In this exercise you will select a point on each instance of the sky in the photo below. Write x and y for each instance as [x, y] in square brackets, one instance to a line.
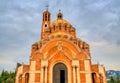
[96, 21]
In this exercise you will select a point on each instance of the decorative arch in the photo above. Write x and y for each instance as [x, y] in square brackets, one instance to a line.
[55, 41]
[67, 67]
[66, 43]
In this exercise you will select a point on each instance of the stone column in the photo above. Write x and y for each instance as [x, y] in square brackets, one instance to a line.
[42, 74]
[44, 65]
[45, 74]
[74, 76]
[78, 75]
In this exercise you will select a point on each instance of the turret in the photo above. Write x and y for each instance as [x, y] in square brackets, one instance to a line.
[59, 15]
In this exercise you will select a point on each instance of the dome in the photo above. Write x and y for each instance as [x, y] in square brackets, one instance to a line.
[60, 22]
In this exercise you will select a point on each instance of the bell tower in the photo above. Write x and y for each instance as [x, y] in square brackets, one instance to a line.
[45, 22]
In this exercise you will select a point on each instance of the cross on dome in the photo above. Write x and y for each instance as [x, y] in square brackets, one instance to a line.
[47, 6]
[59, 10]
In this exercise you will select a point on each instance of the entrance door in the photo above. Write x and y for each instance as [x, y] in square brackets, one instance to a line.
[60, 74]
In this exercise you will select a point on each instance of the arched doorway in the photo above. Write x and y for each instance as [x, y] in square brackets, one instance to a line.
[94, 77]
[26, 77]
[60, 73]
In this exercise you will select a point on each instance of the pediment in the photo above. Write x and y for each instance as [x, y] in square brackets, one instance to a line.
[60, 55]
[64, 50]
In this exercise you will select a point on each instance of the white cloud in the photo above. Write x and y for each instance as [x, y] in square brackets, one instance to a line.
[106, 53]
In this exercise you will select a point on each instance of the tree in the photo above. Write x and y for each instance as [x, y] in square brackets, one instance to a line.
[7, 77]
[117, 80]
[114, 80]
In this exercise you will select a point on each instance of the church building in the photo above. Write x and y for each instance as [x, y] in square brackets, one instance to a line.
[60, 56]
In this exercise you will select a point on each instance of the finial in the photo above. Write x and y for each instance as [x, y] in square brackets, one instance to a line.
[47, 7]
[59, 10]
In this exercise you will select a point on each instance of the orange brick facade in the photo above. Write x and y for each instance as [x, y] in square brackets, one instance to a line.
[59, 56]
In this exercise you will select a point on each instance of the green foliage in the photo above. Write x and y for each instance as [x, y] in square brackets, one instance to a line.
[114, 80]
[7, 77]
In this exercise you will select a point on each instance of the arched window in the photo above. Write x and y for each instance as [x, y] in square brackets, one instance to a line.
[54, 27]
[26, 77]
[94, 78]
[60, 26]
[45, 17]
[65, 26]
[20, 79]
[48, 17]
[79, 43]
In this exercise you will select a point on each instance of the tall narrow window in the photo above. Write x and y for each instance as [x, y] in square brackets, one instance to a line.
[48, 17]
[59, 26]
[54, 27]
[45, 17]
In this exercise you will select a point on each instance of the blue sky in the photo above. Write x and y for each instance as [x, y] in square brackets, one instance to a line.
[96, 21]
